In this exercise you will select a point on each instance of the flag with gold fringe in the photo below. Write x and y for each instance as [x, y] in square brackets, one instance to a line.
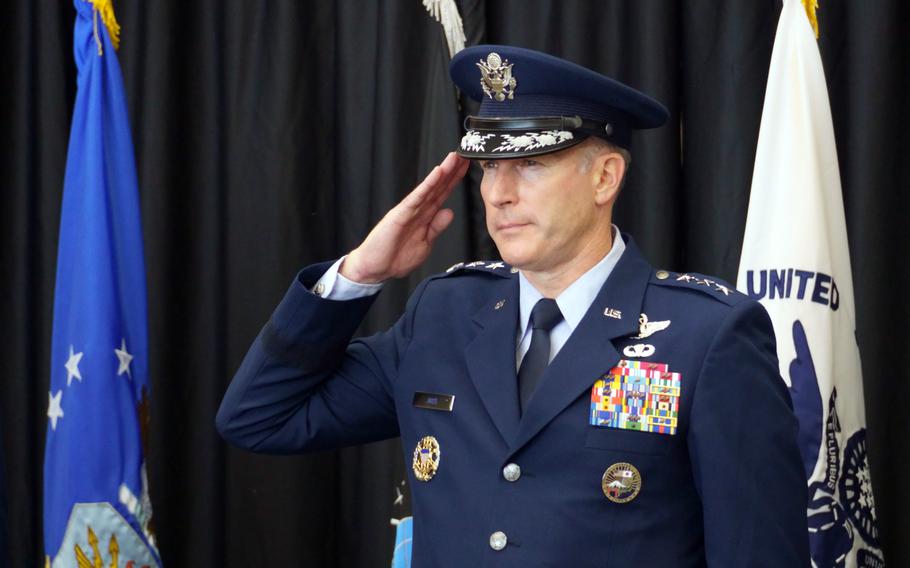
[97, 510]
[796, 261]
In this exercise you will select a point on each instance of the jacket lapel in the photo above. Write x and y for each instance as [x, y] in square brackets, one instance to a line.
[490, 357]
[589, 352]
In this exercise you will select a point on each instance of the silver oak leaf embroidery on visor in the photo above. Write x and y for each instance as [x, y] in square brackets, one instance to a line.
[533, 140]
[474, 142]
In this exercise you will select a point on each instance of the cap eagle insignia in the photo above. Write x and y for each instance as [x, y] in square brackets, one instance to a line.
[496, 78]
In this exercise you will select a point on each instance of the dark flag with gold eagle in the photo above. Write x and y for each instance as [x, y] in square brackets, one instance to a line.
[96, 500]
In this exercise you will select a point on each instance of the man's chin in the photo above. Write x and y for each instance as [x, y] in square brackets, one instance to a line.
[518, 252]
[517, 259]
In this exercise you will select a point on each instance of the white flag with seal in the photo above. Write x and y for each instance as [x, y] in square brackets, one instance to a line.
[795, 260]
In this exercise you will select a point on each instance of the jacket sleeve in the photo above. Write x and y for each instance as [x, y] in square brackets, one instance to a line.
[742, 444]
[304, 385]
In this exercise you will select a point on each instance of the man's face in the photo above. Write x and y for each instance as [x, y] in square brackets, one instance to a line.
[541, 211]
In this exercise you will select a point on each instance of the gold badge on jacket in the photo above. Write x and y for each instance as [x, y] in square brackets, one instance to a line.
[426, 458]
[621, 482]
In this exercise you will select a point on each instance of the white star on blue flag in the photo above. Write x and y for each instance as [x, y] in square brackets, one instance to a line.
[72, 367]
[54, 411]
[124, 358]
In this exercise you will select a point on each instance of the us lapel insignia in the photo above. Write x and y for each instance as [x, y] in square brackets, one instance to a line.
[426, 458]
[638, 350]
[499, 304]
[648, 328]
[637, 395]
[621, 482]
[613, 313]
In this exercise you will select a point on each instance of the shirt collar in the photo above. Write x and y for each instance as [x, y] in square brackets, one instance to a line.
[578, 297]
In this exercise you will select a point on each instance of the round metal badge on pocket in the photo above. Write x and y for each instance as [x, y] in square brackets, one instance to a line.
[621, 482]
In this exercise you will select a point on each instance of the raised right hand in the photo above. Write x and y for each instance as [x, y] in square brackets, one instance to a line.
[403, 239]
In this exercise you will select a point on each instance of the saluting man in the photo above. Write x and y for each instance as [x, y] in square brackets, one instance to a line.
[566, 406]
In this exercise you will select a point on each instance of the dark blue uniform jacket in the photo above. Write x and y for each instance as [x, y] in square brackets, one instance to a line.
[727, 489]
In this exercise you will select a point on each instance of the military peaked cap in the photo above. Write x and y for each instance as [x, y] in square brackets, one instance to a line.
[532, 103]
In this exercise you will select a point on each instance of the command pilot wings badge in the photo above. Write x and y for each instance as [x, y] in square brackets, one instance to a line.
[496, 77]
[648, 328]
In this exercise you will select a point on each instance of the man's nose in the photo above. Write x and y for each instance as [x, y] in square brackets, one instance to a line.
[501, 187]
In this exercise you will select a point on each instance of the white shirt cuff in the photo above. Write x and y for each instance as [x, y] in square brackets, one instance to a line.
[334, 286]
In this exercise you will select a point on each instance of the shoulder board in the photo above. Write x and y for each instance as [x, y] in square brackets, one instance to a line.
[497, 267]
[709, 285]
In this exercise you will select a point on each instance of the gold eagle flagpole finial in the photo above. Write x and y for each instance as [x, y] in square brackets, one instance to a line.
[811, 6]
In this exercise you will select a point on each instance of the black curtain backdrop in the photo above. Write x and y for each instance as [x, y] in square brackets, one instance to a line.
[273, 134]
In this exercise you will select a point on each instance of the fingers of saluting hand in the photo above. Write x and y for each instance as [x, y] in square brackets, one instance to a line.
[444, 187]
[440, 223]
[439, 181]
[451, 181]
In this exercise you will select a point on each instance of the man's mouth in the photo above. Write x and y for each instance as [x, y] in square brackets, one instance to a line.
[510, 226]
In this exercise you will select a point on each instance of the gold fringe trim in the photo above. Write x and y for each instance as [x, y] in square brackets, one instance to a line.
[105, 9]
[811, 6]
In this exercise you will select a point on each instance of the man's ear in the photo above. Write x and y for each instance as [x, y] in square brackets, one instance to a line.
[609, 168]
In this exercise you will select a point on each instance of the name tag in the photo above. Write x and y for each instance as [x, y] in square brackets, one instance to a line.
[434, 401]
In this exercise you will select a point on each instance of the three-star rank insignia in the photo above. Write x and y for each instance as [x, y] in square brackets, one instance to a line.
[706, 282]
[621, 482]
[426, 458]
[494, 267]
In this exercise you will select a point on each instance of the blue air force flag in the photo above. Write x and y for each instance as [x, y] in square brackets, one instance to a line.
[96, 504]
[796, 261]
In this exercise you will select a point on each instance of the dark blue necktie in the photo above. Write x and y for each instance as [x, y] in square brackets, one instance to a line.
[544, 318]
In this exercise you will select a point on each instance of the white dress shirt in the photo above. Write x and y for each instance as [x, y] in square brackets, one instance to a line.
[334, 286]
[573, 302]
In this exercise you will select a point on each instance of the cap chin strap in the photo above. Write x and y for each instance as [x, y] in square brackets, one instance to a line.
[571, 123]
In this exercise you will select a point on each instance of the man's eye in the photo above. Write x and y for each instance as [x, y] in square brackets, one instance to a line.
[488, 164]
[529, 163]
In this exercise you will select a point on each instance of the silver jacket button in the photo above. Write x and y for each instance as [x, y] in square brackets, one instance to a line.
[498, 540]
[511, 472]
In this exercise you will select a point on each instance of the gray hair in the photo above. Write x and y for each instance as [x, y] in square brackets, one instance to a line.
[595, 146]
